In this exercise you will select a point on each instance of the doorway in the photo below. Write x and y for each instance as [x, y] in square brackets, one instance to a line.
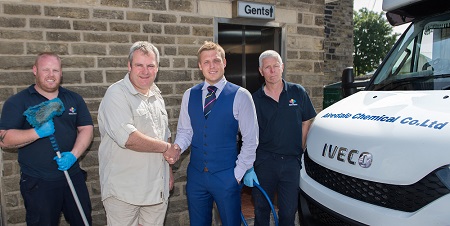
[243, 44]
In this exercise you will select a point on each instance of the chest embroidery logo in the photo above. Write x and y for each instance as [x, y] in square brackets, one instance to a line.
[72, 111]
[292, 102]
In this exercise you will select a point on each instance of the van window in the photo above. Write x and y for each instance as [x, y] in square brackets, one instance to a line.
[420, 60]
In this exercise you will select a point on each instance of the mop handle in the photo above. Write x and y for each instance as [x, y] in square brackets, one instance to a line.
[69, 181]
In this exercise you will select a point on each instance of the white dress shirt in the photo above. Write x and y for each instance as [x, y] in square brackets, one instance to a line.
[244, 112]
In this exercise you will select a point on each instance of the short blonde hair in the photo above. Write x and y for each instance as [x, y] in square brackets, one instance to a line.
[208, 45]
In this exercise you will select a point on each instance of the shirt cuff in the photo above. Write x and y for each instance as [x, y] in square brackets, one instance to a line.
[239, 173]
[124, 133]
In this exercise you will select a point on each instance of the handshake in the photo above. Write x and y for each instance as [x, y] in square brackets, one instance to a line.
[172, 154]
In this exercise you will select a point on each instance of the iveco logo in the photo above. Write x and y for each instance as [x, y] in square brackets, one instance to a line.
[365, 160]
[343, 154]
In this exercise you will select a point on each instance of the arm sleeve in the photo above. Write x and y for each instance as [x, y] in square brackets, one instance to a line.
[84, 117]
[245, 112]
[307, 107]
[184, 128]
[116, 116]
[12, 116]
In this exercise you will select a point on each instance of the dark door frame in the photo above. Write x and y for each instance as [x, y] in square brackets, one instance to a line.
[254, 22]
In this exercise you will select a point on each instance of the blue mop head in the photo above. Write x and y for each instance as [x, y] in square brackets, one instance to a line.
[43, 112]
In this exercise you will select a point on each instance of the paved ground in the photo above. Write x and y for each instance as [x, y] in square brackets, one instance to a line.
[251, 223]
[247, 210]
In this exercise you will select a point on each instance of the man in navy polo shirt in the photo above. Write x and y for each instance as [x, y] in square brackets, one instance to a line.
[285, 113]
[43, 185]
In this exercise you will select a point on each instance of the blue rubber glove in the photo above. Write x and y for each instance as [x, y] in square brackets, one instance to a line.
[66, 161]
[250, 177]
[46, 129]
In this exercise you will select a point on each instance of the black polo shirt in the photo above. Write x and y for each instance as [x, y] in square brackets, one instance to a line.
[280, 123]
[36, 159]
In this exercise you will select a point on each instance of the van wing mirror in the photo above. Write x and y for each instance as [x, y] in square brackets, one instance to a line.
[348, 78]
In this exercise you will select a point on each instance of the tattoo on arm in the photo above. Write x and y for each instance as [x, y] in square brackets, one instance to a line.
[2, 141]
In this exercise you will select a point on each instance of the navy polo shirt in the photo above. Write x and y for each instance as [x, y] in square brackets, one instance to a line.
[36, 159]
[280, 123]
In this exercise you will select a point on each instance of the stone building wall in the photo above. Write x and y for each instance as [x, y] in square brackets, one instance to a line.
[338, 44]
[93, 38]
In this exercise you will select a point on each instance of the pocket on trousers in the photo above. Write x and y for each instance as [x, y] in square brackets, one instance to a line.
[27, 183]
[29, 186]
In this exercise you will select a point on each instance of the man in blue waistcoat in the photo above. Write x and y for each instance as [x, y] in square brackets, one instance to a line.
[212, 113]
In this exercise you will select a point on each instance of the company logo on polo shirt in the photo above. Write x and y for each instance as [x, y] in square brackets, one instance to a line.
[72, 111]
[292, 102]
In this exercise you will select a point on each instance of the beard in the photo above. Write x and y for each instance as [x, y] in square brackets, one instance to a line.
[48, 87]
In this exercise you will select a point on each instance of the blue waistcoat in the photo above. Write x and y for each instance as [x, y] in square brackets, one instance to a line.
[214, 142]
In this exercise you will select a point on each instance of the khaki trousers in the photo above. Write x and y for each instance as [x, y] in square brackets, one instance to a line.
[119, 213]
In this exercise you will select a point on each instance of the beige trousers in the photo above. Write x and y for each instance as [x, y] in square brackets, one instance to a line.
[119, 213]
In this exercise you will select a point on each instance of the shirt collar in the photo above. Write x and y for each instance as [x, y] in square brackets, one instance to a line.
[219, 84]
[261, 93]
[32, 90]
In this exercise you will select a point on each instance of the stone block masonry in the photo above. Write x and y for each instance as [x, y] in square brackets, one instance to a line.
[338, 45]
[93, 38]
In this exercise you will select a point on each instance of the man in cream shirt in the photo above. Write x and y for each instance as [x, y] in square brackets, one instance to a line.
[135, 176]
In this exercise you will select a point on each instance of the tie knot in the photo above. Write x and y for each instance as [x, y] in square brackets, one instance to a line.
[212, 89]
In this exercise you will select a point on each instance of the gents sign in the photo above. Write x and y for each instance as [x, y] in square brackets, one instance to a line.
[253, 10]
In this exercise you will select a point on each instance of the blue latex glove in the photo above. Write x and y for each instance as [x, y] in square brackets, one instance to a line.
[66, 161]
[46, 129]
[250, 177]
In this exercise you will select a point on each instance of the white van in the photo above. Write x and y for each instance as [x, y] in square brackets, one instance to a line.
[381, 156]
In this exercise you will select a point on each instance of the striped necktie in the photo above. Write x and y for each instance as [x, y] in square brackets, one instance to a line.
[209, 100]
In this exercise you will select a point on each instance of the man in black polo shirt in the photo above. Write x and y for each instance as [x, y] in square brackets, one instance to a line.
[285, 113]
[43, 185]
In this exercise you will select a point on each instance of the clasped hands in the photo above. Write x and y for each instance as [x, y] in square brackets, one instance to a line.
[172, 154]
